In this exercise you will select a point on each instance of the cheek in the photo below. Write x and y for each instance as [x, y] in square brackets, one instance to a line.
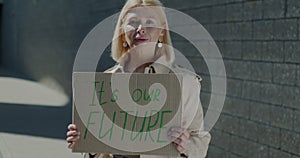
[128, 28]
[155, 34]
[128, 34]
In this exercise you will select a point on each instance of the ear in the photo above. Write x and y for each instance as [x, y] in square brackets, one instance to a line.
[162, 32]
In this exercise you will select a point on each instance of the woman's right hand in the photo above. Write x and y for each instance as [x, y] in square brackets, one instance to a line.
[72, 135]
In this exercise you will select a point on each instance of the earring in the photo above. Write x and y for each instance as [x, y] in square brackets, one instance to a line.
[125, 44]
[159, 44]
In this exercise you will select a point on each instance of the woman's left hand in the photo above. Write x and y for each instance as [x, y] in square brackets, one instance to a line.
[182, 138]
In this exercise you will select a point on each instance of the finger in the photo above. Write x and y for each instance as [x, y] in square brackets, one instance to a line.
[174, 134]
[180, 130]
[72, 138]
[177, 135]
[72, 127]
[71, 145]
[177, 129]
[73, 133]
[177, 141]
[182, 143]
[180, 149]
[186, 134]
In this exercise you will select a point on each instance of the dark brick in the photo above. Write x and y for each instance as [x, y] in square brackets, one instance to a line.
[244, 31]
[199, 63]
[235, 12]
[298, 29]
[272, 51]
[253, 10]
[290, 141]
[218, 31]
[207, 49]
[248, 129]
[205, 98]
[238, 31]
[237, 107]
[278, 154]
[218, 13]
[202, 15]
[233, 50]
[263, 30]
[285, 29]
[216, 152]
[228, 123]
[235, 156]
[229, 1]
[175, 20]
[293, 8]
[292, 52]
[177, 4]
[269, 136]
[297, 120]
[271, 93]
[251, 90]
[298, 75]
[183, 46]
[282, 117]
[221, 139]
[234, 87]
[260, 112]
[252, 50]
[235, 69]
[248, 149]
[98, 5]
[176, 38]
[291, 97]
[273, 8]
[229, 31]
[207, 3]
[206, 83]
[192, 35]
[284, 73]
[222, 47]
[232, 31]
[258, 71]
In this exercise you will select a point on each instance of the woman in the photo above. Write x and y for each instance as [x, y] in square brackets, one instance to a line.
[142, 44]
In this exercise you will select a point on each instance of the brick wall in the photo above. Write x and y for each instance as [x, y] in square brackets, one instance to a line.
[259, 41]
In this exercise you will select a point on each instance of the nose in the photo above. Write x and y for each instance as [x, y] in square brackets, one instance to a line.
[140, 29]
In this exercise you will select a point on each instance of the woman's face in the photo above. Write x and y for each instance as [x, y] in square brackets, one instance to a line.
[142, 25]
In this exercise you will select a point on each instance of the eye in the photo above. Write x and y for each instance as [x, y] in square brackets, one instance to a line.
[133, 23]
[149, 21]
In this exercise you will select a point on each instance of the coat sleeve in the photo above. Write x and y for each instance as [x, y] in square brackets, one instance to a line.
[192, 118]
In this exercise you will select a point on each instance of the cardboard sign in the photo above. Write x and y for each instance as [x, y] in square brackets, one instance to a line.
[126, 114]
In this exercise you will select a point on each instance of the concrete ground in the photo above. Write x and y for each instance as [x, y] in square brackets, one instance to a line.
[26, 146]
[33, 119]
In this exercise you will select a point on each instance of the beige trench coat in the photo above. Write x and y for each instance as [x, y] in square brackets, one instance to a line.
[191, 101]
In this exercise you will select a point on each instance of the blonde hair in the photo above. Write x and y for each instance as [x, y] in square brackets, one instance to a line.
[117, 48]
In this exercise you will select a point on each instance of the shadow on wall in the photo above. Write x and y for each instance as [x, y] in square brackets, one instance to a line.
[50, 122]
[30, 108]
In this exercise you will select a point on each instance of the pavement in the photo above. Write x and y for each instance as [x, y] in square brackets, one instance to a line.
[33, 119]
[26, 146]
